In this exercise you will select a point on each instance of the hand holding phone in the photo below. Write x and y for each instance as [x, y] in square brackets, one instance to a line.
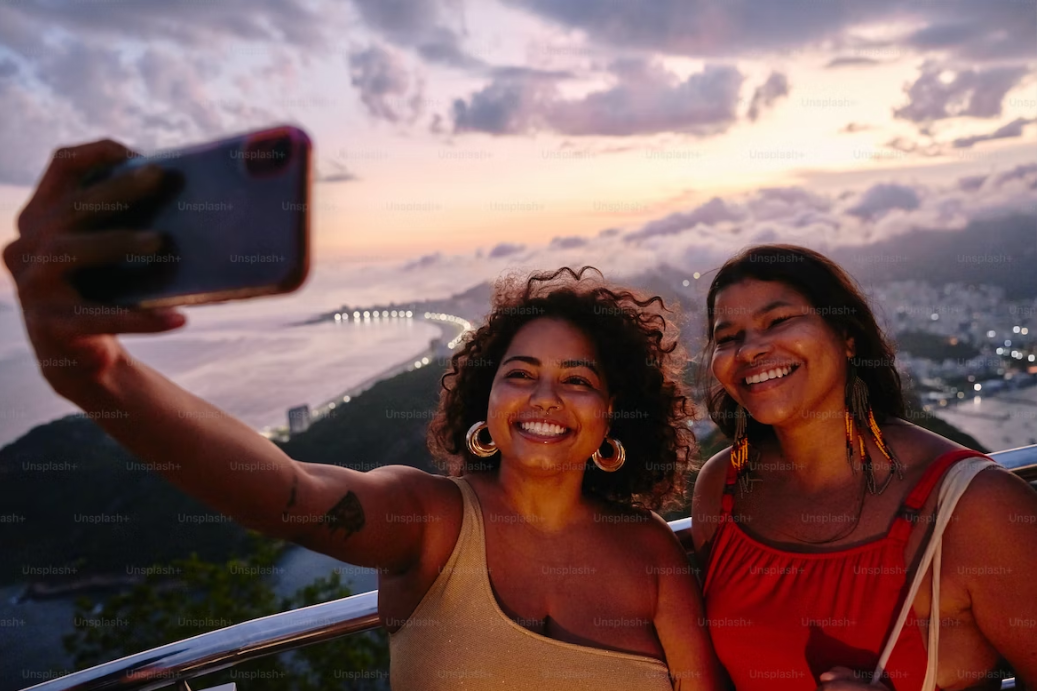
[234, 218]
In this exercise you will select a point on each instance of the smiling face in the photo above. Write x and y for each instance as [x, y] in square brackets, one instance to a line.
[775, 355]
[549, 405]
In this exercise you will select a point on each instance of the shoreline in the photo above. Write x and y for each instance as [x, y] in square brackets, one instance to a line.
[1002, 421]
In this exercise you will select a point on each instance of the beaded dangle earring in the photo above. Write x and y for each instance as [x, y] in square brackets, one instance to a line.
[740, 448]
[859, 414]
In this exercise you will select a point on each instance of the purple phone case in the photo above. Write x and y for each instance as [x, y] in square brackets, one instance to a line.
[237, 227]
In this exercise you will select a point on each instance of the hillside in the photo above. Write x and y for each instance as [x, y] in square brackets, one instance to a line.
[63, 475]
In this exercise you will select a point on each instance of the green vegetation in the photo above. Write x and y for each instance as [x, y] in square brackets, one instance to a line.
[206, 596]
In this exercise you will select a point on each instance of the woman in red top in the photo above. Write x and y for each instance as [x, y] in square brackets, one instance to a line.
[808, 544]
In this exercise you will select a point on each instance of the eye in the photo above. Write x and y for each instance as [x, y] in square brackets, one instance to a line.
[578, 380]
[726, 339]
[518, 374]
[779, 320]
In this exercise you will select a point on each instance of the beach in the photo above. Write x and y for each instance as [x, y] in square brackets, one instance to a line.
[1000, 422]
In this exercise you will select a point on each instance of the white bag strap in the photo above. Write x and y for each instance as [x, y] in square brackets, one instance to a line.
[954, 484]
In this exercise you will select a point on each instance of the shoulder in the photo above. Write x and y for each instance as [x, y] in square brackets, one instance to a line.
[995, 502]
[914, 445]
[432, 491]
[436, 497]
[706, 497]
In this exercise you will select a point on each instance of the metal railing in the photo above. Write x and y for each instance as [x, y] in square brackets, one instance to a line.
[177, 662]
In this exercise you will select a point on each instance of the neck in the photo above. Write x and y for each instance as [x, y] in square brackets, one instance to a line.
[548, 502]
[815, 446]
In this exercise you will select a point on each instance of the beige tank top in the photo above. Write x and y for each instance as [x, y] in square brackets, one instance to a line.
[459, 638]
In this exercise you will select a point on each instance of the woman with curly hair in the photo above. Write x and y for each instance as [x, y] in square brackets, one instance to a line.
[540, 566]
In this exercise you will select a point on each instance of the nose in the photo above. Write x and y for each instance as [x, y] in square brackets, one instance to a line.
[545, 396]
[754, 346]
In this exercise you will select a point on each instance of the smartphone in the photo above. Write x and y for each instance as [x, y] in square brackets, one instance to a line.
[234, 220]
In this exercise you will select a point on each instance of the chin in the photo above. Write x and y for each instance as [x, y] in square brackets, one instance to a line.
[773, 416]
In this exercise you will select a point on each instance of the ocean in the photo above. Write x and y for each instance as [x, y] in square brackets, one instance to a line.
[245, 359]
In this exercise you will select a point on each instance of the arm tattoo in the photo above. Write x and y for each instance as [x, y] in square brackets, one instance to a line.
[291, 498]
[347, 515]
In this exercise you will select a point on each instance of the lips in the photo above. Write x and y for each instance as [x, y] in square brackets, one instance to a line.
[542, 430]
[766, 378]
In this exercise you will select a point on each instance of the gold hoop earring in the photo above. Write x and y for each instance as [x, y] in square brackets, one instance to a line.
[613, 462]
[477, 447]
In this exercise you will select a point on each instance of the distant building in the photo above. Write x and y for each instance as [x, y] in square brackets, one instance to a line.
[298, 419]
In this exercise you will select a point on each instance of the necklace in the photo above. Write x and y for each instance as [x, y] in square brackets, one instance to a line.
[746, 482]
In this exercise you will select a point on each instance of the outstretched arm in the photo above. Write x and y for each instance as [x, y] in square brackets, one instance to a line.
[193, 444]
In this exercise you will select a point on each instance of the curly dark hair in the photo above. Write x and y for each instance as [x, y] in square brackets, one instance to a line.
[642, 361]
[841, 302]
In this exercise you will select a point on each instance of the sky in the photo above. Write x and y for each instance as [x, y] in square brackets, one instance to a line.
[456, 139]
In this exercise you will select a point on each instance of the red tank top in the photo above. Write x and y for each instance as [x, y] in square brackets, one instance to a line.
[780, 619]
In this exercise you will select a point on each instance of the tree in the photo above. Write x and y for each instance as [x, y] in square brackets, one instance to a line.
[205, 596]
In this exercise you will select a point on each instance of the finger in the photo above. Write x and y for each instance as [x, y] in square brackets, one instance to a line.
[111, 319]
[68, 251]
[64, 320]
[70, 164]
[115, 197]
[838, 673]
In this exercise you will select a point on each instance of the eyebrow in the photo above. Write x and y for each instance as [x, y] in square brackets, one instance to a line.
[763, 310]
[566, 364]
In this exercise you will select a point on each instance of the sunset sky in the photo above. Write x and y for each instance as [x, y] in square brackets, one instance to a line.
[466, 136]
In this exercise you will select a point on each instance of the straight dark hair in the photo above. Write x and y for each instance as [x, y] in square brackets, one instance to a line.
[839, 301]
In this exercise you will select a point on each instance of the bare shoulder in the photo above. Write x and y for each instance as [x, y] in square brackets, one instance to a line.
[706, 497]
[914, 445]
[996, 500]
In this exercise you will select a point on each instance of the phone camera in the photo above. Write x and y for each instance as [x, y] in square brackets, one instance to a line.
[269, 156]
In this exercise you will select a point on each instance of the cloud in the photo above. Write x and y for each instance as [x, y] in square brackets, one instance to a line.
[385, 85]
[337, 173]
[711, 213]
[505, 249]
[424, 262]
[648, 99]
[1020, 172]
[994, 31]
[569, 242]
[421, 25]
[753, 28]
[148, 77]
[644, 99]
[776, 86]
[851, 61]
[508, 105]
[940, 92]
[1012, 129]
[882, 198]
[971, 183]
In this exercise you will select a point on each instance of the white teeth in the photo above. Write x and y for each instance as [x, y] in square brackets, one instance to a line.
[770, 374]
[544, 429]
